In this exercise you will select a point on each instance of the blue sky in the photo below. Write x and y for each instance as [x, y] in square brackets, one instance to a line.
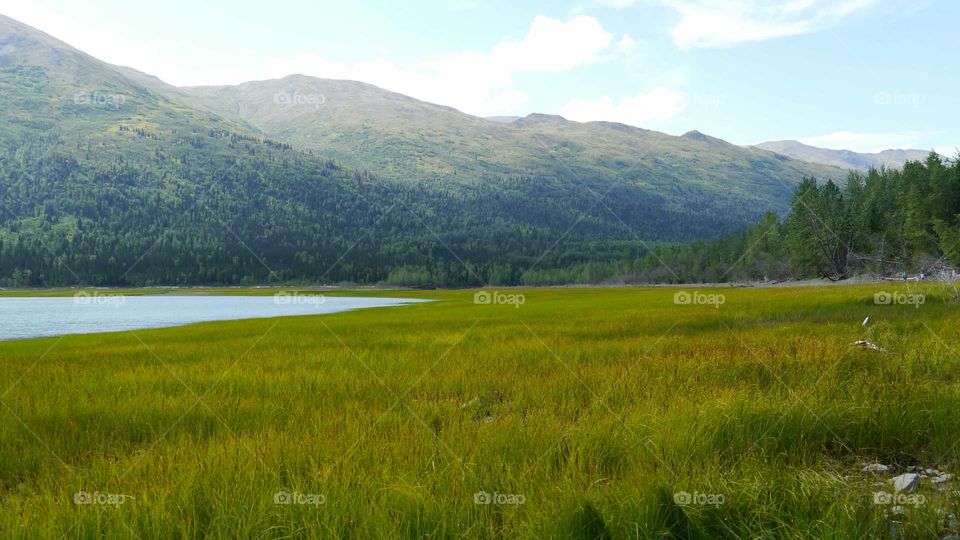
[857, 74]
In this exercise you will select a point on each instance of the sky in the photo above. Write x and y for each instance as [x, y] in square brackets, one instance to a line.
[863, 75]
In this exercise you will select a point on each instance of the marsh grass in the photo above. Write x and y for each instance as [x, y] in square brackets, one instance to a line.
[596, 406]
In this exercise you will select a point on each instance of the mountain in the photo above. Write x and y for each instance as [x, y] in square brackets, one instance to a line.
[709, 185]
[106, 180]
[844, 159]
[48, 85]
[109, 176]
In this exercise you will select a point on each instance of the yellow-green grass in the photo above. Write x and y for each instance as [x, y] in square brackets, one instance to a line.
[596, 406]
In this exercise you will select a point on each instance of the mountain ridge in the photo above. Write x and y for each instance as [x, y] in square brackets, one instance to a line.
[410, 140]
[890, 158]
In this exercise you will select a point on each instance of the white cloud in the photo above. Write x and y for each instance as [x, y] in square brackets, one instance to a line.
[871, 142]
[553, 45]
[626, 45]
[721, 23]
[642, 109]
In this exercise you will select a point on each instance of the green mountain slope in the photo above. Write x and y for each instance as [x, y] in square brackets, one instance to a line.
[110, 176]
[48, 85]
[413, 141]
[104, 179]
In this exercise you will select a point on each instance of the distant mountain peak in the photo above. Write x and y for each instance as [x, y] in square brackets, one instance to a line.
[695, 135]
[540, 119]
[847, 159]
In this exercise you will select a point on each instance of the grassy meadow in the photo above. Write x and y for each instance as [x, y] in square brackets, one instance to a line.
[578, 413]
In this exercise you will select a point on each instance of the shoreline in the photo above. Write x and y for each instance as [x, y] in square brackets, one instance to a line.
[190, 290]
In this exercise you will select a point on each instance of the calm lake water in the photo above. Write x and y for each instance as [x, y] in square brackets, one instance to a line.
[38, 317]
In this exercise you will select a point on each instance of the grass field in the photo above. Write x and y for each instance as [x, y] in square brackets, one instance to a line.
[580, 413]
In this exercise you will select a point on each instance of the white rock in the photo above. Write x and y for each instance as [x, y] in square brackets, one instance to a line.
[906, 482]
[943, 478]
[875, 467]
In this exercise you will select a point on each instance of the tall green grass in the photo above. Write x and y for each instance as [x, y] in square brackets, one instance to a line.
[594, 407]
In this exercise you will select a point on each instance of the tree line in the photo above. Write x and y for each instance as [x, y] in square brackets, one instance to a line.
[220, 209]
[883, 222]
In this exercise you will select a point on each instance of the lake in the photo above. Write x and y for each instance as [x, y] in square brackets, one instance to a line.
[88, 313]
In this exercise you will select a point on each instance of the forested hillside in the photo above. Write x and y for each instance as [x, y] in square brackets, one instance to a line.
[220, 208]
[883, 222]
[111, 177]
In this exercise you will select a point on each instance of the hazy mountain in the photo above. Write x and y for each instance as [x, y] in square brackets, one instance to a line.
[844, 158]
[111, 176]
